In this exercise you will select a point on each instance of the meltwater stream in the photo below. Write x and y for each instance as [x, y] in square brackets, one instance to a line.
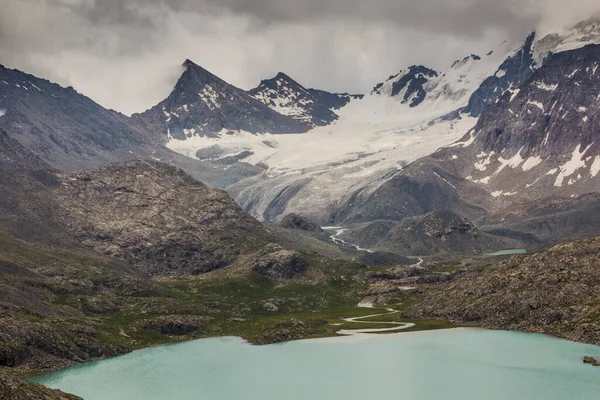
[458, 364]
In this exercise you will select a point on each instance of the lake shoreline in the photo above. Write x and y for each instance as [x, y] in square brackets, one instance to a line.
[358, 336]
[468, 348]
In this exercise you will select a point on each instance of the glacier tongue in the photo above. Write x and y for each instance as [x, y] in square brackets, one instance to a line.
[311, 173]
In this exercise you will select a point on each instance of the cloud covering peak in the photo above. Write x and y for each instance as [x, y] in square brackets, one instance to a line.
[125, 54]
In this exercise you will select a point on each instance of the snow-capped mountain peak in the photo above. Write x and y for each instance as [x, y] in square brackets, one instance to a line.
[285, 95]
[202, 104]
[288, 97]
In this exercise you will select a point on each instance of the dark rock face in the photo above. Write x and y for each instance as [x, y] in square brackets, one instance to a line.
[285, 95]
[550, 113]
[157, 217]
[333, 101]
[203, 104]
[412, 83]
[277, 263]
[440, 224]
[295, 221]
[512, 72]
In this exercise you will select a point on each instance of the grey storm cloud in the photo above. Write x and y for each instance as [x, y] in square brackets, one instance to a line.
[457, 16]
[125, 54]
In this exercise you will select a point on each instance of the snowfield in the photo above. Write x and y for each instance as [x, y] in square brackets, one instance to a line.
[329, 163]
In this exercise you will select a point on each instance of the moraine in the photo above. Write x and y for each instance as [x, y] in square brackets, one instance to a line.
[466, 364]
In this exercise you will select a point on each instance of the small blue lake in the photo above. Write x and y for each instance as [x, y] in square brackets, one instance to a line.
[506, 252]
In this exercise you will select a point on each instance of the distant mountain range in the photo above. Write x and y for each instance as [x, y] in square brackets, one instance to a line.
[526, 117]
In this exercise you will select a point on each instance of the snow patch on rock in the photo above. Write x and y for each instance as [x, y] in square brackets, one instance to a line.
[531, 163]
[576, 162]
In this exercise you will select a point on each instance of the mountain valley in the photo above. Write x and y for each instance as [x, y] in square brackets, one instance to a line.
[270, 213]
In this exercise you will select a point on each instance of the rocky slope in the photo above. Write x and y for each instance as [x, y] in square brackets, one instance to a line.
[146, 212]
[50, 300]
[440, 232]
[12, 388]
[156, 216]
[552, 292]
[63, 127]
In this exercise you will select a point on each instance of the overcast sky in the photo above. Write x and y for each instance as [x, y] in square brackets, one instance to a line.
[126, 54]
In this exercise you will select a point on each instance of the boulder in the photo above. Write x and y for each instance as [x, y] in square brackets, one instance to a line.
[280, 264]
[591, 360]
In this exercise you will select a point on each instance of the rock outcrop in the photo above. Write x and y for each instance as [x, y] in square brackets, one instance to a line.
[553, 292]
[593, 361]
[278, 263]
[295, 221]
[157, 217]
[286, 96]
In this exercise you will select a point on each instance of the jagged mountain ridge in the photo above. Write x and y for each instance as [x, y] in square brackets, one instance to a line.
[495, 80]
[286, 96]
[418, 101]
[454, 91]
[546, 130]
[202, 104]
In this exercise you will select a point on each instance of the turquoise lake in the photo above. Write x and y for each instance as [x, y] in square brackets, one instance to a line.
[465, 364]
[506, 252]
